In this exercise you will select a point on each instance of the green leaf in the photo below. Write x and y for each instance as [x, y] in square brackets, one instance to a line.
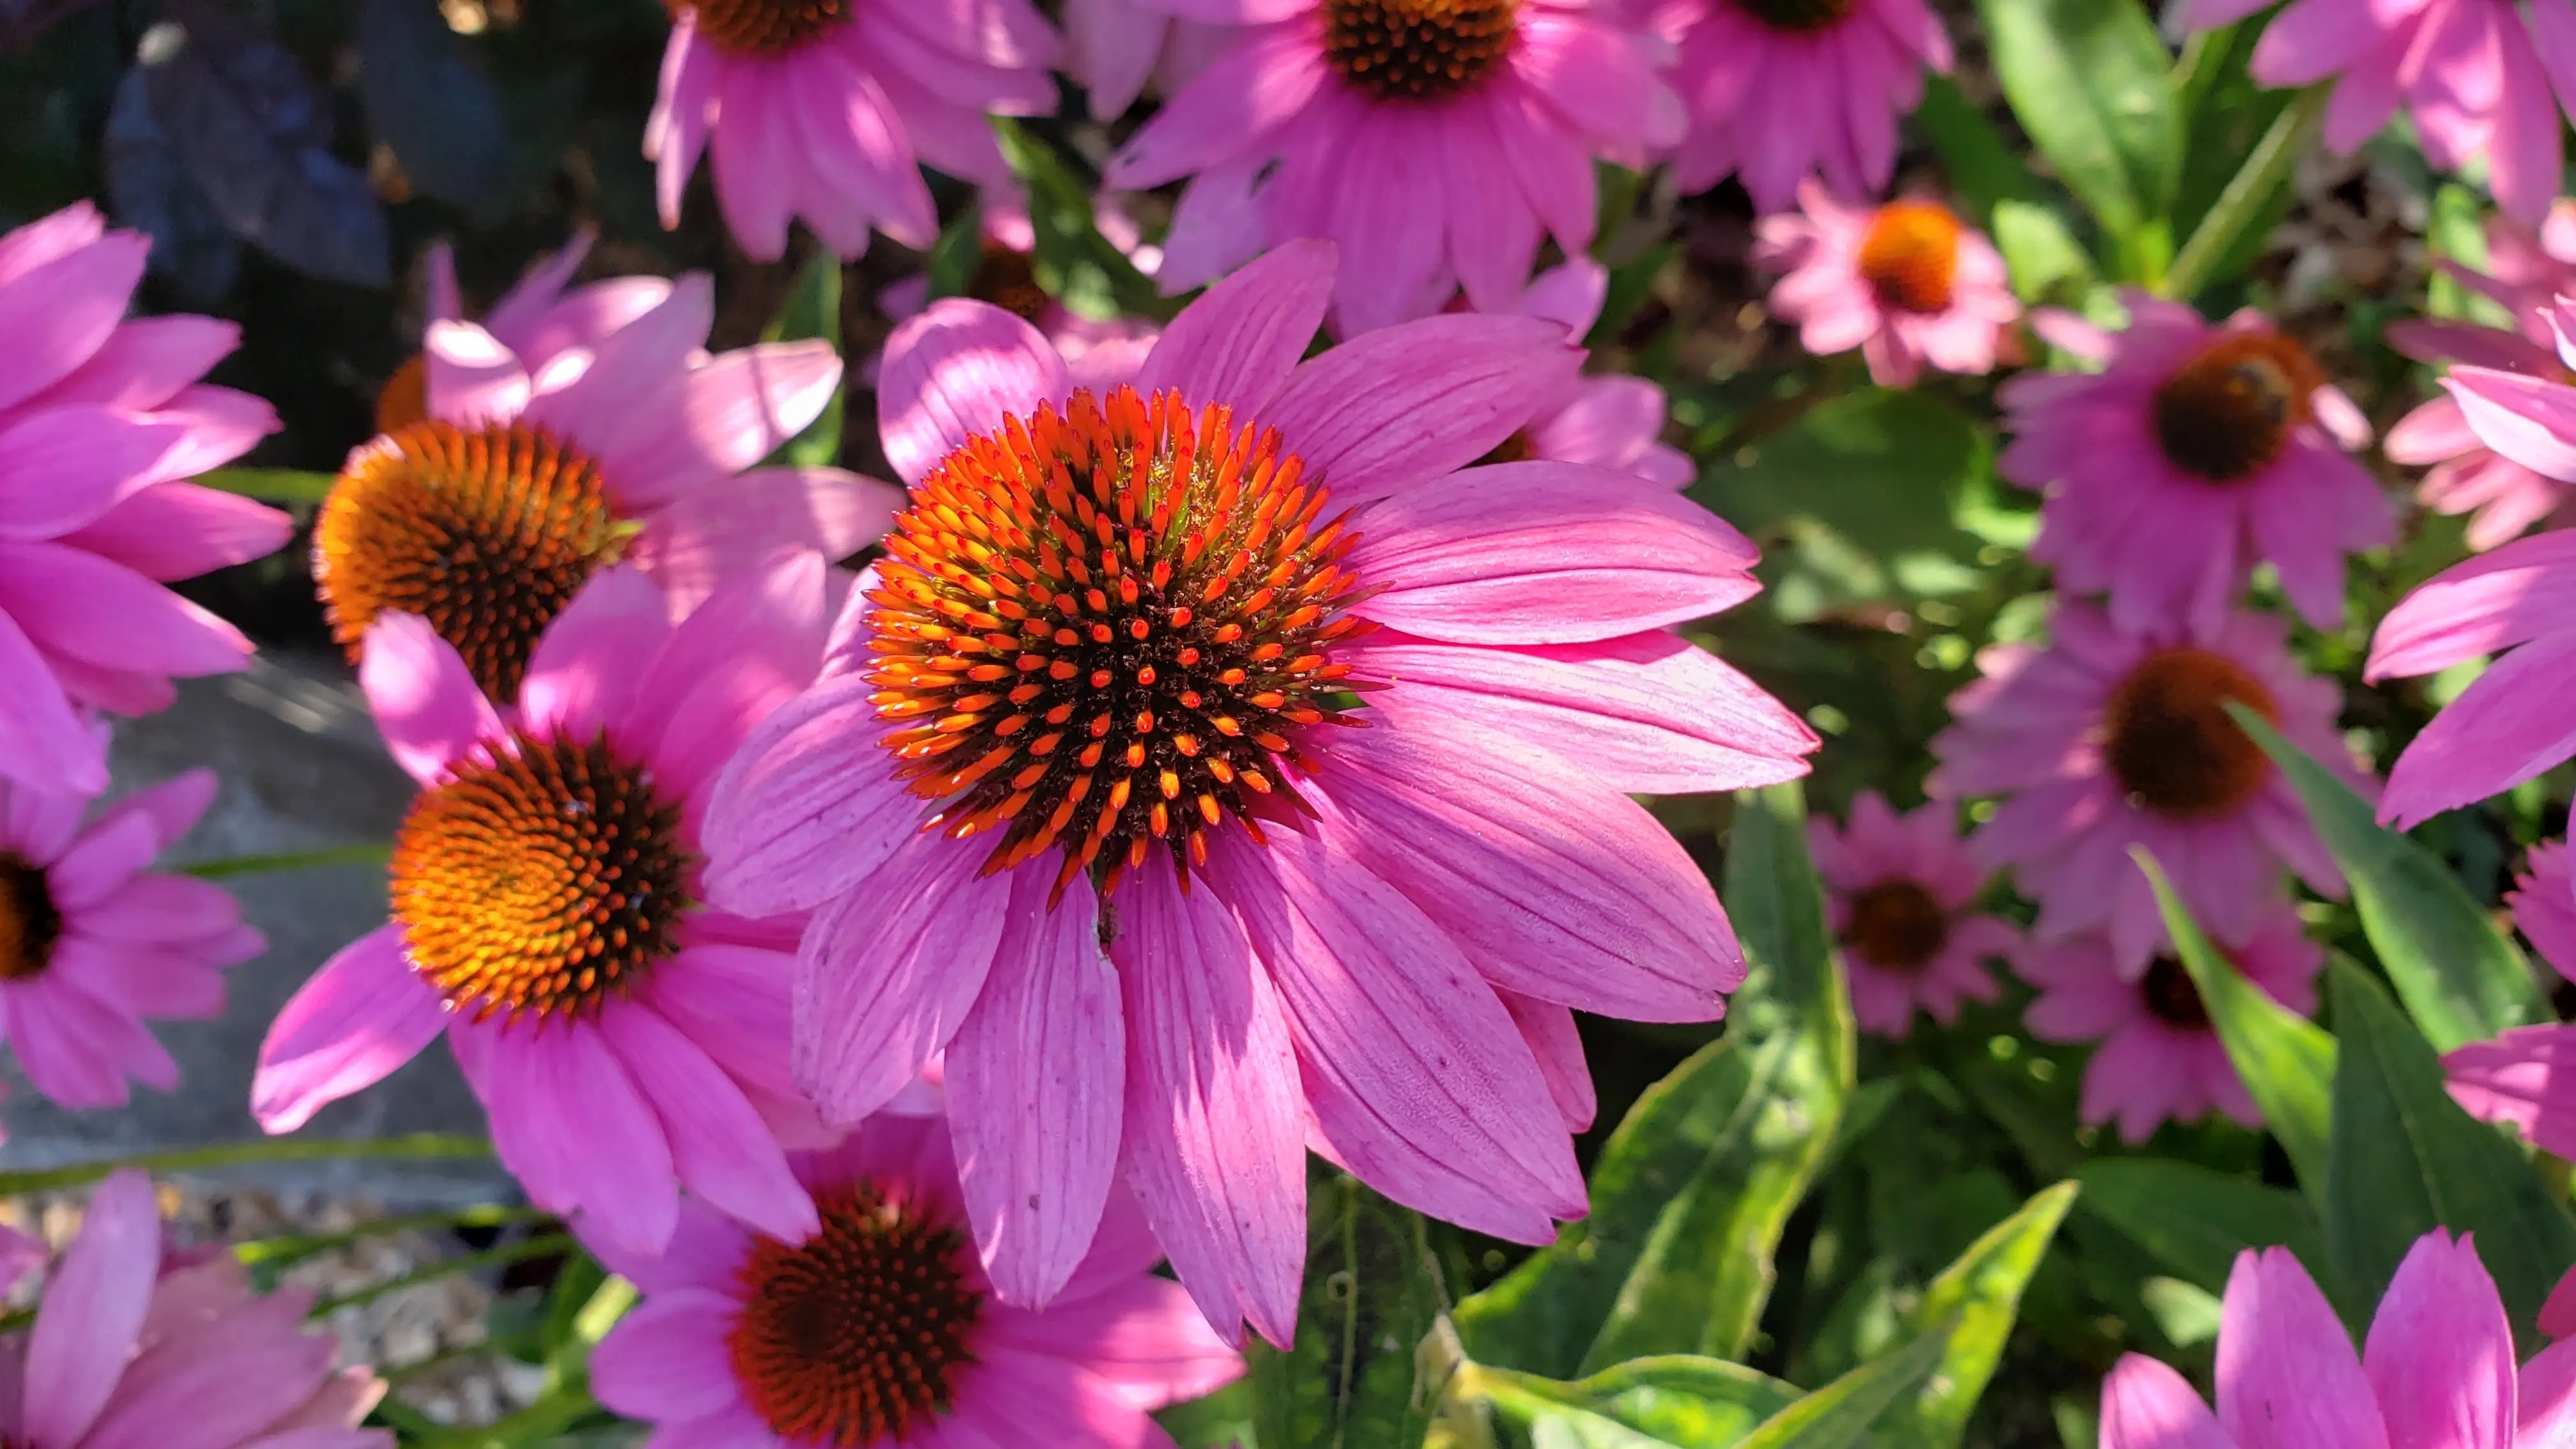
[1374, 1290]
[2407, 1159]
[2226, 116]
[2286, 1061]
[2193, 1220]
[1866, 491]
[270, 485]
[2090, 82]
[1703, 1403]
[1222, 1420]
[2460, 978]
[1983, 168]
[1628, 286]
[1841, 1413]
[1976, 1298]
[1692, 1190]
[957, 254]
[1074, 263]
[813, 312]
[2044, 257]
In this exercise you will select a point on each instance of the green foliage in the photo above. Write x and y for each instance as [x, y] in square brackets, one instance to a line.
[1074, 262]
[1375, 1286]
[2088, 80]
[1971, 1307]
[2406, 1160]
[2195, 1220]
[813, 311]
[2460, 978]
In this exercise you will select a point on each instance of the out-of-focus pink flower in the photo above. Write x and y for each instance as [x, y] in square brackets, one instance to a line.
[2106, 740]
[1098, 353]
[1906, 282]
[1137, 675]
[93, 944]
[2543, 901]
[1900, 892]
[132, 1345]
[2514, 721]
[2436, 1370]
[1780, 90]
[548, 914]
[2160, 1060]
[1605, 420]
[2194, 453]
[826, 112]
[878, 1327]
[1437, 143]
[1116, 49]
[527, 478]
[101, 420]
[2476, 76]
[2527, 1076]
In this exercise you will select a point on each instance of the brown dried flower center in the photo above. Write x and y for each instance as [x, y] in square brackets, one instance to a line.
[2168, 739]
[1418, 50]
[763, 27]
[2227, 414]
[1897, 925]
[29, 922]
[1910, 255]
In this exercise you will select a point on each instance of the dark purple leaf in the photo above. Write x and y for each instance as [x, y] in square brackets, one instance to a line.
[148, 189]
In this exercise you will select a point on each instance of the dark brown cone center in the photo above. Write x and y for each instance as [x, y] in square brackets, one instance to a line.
[1418, 50]
[29, 922]
[1897, 925]
[2168, 739]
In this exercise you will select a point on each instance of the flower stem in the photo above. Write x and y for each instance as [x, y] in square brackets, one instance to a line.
[246, 1154]
[538, 1423]
[2248, 192]
[278, 1252]
[373, 852]
[542, 1246]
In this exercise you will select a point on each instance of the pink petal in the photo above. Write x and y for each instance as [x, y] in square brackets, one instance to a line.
[581, 1136]
[808, 806]
[473, 379]
[42, 740]
[365, 1013]
[65, 467]
[708, 534]
[2527, 419]
[2146, 1405]
[1142, 1334]
[2545, 1395]
[1546, 553]
[57, 314]
[176, 531]
[82, 606]
[2517, 593]
[668, 1358]
[720, 1149]
[1241, 339]
[1413, 402]
[106, 856]
[2287, 1375]
[634, 370]
[1034, 1076]
[93, 1309]
[2508, 726]
[755, 642]
[425, 700]
[1557, 1042]
[1214, 1137]
[1251, 91]
[726, 415]
[586, 665]
[2440, 1351]
[956, 371]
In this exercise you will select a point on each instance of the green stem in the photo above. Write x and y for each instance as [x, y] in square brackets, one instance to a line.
[2248, 192]
[373, 852]
[280, 1251]
[538, 1422]
[275, 485]
[542, 1246]
[245, 1154]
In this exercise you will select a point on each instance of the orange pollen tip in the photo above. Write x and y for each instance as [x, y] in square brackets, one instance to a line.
[1909, 255]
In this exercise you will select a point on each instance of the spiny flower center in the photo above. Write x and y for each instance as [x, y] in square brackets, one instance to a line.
[540, 881]
[2171, 996]
[2169, 742]
[405, 397]
[29, 922]
[1008, 280]
[2227, 414]
[1796, 15]
[1418, 50]
[853, 1338]
[487, 533]
[1897, 925]
[763, 27]
[1109, 627]
[1910, 255]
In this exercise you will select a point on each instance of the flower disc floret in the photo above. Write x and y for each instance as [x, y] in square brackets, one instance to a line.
[2172, 997]
[1910, 256]
[1797, 15]
[2170, 743]
[1110, 627]
[1418, 49]
[29, 922]
[762, 27]
[1896, 924]
[2228, 413]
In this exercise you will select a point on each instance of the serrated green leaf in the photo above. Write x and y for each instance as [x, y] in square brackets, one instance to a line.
[2286, 1061]
[1074, 263]
[2090, 82]
[2194, 1220]
[1690, 1195]
[812, 312]
[1977, 1298]
[1373, 1292]
[2406, 1159]
[1842, 1413]
[2460, 978]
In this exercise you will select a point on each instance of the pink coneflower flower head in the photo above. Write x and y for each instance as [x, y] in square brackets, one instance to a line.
[2106, 740]
[1613, 421]
[535, 319]
[487, 518]
[1263, 755]
[1780, 90]
[1438, 139]
[878, 1328]
[826, 111]
[1905, 281]
[2194, 453]
[100, 420]
[1900, 891]
[2160, 1060]
[132, 1345]
[2476, 76]
[1116, 49]
[2436, 1370]
[548, 914]
[2509, 725]
[93, 943]
[1098, 353]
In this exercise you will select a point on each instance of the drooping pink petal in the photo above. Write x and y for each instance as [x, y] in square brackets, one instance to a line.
[668, 1358]
[1241, 339]
[2507, 727]
[2146, 1405]
[362, 1015]
[954, 371]
[720, 1148]
[1409, 403]
[93, 1308]
[808, 806]
[583, 670]
[425, 700]
[2440, 1350]
[2287, 1375]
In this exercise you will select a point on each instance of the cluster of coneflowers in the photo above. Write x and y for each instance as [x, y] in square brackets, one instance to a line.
[1229, 752]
